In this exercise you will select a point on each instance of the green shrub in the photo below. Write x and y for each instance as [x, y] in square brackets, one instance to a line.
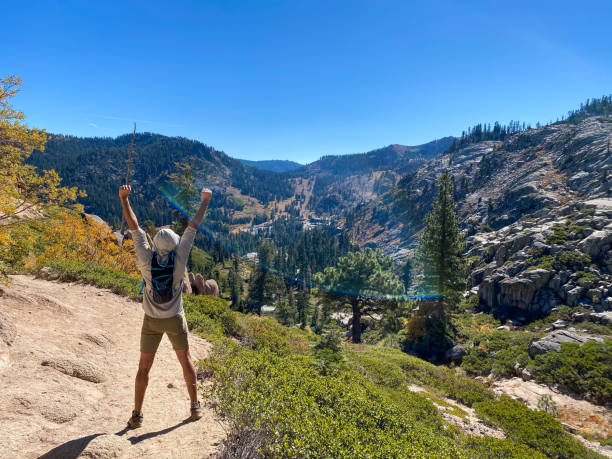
[606, 442]
[497, 352]
[468, 324]
[548, 405]
[577, 229]
[392, 368]
[281, 406]
[494, 448]
[209, 315]
[547, 262]
[574, 258]
[331, 338]
[579, 369]
[537, 429]
[587, 279]
[470, 303]
[94, 274]
[258, 333]
[559, 235]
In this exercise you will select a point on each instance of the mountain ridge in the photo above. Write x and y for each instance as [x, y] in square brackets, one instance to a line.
[273, 165]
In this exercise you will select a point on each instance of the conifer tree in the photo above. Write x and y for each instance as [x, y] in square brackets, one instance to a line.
[363, 282]
[235, 284]
[439, 255]
[264, 286]
[441, 246]
[285, 311]
[302, 308]
[314, 321]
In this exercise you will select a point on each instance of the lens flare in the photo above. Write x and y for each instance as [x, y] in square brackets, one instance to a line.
[296, 280]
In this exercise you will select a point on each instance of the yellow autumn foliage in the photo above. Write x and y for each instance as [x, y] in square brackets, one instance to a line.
[35, 228]
[77, 237]
[25, 193]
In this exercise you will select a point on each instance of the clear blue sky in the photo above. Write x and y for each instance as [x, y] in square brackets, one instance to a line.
[300, 79]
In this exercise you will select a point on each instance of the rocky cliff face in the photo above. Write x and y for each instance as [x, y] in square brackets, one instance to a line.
[558, 256]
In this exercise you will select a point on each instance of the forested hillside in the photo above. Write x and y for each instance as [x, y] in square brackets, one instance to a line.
[339, 183]
[98, 166]
[274, 165]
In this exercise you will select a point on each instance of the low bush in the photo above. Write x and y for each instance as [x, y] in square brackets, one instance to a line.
[579, 369]
[210, 315]
[574, 258]
[559, 235]
[522, 425]
[392, 368]
[537, 429]
[281, 406]
[586, 279]
[541, 262]
[100, 276]
[497, 352]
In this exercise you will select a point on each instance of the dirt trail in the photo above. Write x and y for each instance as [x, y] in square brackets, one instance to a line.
[94, 334]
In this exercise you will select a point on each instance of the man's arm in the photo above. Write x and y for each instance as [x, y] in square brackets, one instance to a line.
[206, 195]
[128, 213]
[184, 247]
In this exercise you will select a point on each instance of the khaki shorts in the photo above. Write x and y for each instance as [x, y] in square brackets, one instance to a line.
[153, 330]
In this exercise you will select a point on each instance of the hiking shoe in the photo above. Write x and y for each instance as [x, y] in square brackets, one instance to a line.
[136, 420]
[196, 411]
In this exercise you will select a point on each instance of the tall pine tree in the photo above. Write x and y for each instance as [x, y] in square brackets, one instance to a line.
[235, 284]
[264, 286]
[439, 255]
[302, 308]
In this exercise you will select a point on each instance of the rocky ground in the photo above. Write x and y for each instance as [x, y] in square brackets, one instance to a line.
[68, 357]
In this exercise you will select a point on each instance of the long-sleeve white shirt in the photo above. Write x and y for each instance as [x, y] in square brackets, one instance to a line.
[144, 254]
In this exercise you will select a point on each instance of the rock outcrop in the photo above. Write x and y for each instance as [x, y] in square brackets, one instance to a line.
[552, 342]
[77, 368]
[203, 287]
[8, 330]
[559, 256]
[208, 287]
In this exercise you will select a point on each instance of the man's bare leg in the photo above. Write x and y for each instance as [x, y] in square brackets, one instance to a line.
[189, 373]
[142, 379]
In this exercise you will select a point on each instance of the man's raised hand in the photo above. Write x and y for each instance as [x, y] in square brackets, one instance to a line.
[124, 191]
[206, 195]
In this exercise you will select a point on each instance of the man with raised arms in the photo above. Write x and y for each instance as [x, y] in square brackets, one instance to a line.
[162, 267]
